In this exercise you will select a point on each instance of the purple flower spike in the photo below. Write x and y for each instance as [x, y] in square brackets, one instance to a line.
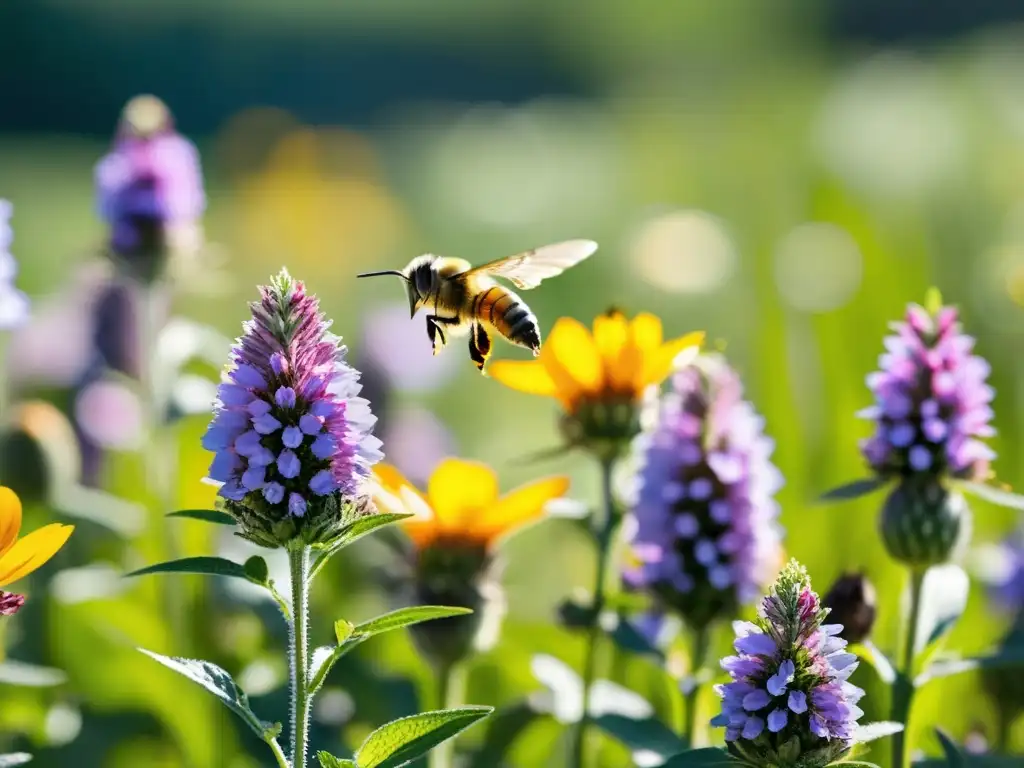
[260, 425]
[796, 696]
[14, 304]
[705, 497]
[932, 401]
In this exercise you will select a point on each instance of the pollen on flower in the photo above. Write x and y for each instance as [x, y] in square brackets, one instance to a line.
[789, 697]
[289, 430]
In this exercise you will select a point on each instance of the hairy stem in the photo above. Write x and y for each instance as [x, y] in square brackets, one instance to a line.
[279, 756]
[903, 688]
[695, 730]
[451, 690]
[605, 530]
[298, 649]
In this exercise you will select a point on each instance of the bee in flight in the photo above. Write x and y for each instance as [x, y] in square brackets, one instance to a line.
[468, 299]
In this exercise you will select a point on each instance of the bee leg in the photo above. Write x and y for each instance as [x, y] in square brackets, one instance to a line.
[433, 332]
[479, 346]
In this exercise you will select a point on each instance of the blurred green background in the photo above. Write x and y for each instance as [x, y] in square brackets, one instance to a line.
[785, 175]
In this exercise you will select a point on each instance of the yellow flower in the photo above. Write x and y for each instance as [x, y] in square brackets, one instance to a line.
[462, 505]
[599, 377]
[19, 557]
[615, 362]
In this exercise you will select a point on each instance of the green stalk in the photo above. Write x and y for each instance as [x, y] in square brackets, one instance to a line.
[298, 649]
[606, 527]
[451, 690]
[903, 689]
[696, 730]
[279, 756]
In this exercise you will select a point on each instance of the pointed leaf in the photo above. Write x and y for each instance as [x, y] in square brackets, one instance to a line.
[208, 566]
[328, 760]
[256, 570]
[206, 515]
[504, 728]
[343, 630]
[878, 730]
[953, 754]
[943, 600]
[859, 764]
[707, 757]
[1003, 658]
[219, 683]
[365, 526]
[992, 495]
[405, 617]
[878, 661]
[642, 734]
[401, 741]
[14, 758]
[854, 489]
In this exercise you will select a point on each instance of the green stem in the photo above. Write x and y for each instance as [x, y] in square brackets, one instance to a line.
[451, 689]
[279, 756]
[605, 529]
[695, 730]
[903, 689]
[298, 648]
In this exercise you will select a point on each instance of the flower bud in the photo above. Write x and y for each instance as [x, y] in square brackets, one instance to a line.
[852, 604]
[10, 603]
[924, 524]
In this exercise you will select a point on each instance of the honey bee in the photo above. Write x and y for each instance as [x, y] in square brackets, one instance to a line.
[468, 299]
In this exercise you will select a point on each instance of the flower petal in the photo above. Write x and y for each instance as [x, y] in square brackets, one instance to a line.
[658, 363]
[529, 376]
[519, 507]
[10, 518]
[611, 331]
[32, 551]
[422, 527]
[645, 331]
[572, 359]
[460, 491]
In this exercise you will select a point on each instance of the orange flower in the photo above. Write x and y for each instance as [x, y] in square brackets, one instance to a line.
[19, 557]
[614, 363]
[462, 504]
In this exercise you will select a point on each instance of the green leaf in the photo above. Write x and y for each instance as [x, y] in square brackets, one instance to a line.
[626, 636]
[878, 661]
[953, 754]
[30, 675]
[860, 764]
[206, 515]
[328, 760]
[647, 734]
[256, 570]
[707, 757]
[877, 730]
[943, 600]
[504, 728]
[343, 630]
[1003, 658]
[220, 684]
[401, 741]
[360, 528]
[405, 617]
[209, 566]
[854, 489]
[992, 495]
[14, 758]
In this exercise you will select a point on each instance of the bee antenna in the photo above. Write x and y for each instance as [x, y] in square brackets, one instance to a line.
[385, 272]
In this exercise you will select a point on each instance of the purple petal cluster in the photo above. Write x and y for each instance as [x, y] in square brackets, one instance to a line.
[789, 678]
[705, 536]
[14, 304]
[932, 401]
[150, 185]
[289, 428]
[10, 603]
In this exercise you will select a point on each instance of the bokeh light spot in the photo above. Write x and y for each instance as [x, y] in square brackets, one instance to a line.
[686, 251]
[818, 267]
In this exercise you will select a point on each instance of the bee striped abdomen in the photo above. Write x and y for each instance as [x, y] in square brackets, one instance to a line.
[509, 315]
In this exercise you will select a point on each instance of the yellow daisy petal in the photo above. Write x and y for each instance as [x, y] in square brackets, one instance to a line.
[10, 518]
[659, 364]
[610, 333]
[423, 526]
[390, 478]
[572, 359]
[459, 491]
[32, 551]
[646, 332]
[529, 376]
[519, 507]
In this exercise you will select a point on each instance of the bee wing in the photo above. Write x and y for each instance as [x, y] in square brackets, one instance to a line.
[526, 270]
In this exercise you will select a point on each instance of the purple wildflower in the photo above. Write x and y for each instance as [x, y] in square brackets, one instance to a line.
[705, 535]
[150, 186]
[14, 304]
[789, 688]
[271, 447]
[10, 603]
[932, 400]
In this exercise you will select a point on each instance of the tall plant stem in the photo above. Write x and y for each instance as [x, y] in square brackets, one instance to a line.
[903, 689]
[451, 690]
[695, 730]
[605, 526]
[298, 648]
